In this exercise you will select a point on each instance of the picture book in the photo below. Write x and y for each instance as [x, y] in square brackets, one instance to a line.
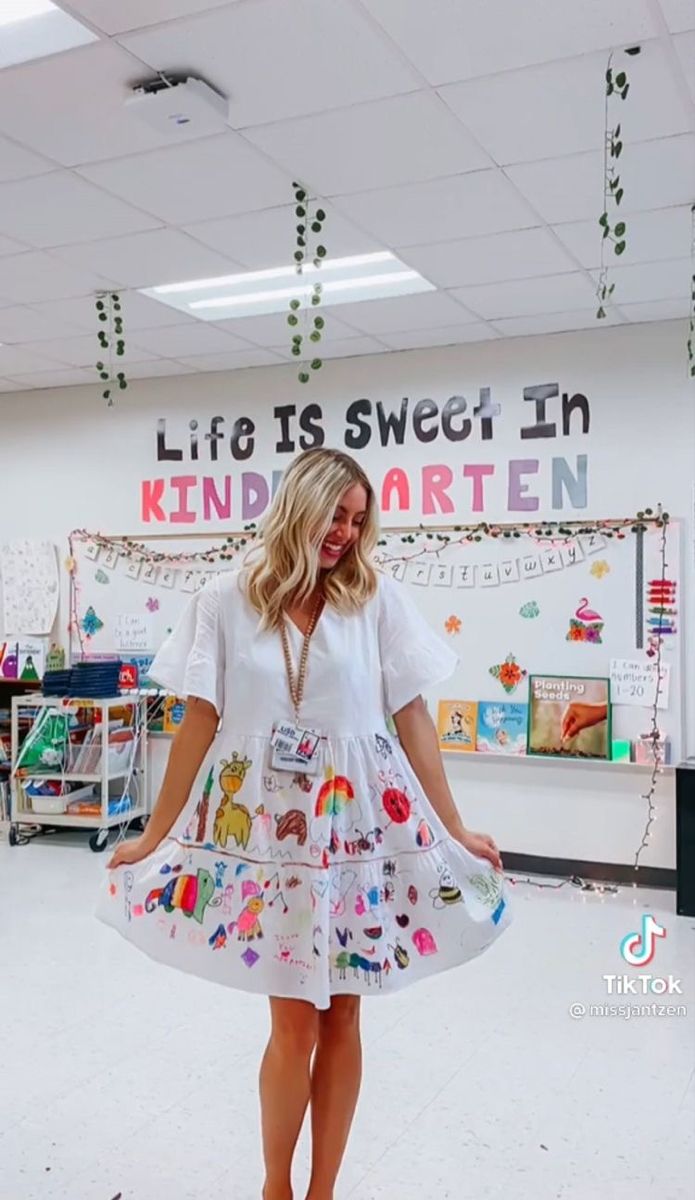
[501, 727]
[569, 716]
[456, 724]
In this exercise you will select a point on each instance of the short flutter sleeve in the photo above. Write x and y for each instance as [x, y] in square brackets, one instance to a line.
[191, 660]
[413, 657]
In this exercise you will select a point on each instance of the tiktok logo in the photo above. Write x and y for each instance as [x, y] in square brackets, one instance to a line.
[638, 949]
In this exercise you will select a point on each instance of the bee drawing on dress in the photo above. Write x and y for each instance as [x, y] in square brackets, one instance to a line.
[448, 892]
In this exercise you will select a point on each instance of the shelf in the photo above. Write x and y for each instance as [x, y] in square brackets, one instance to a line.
[70, 777]
[548, 759]
[91, 822]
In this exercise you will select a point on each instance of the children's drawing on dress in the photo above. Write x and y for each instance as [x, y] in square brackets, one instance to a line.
[424, 942]
[586, 625]
[189, 894]
[509, 673]
[448, 893]
[291, 824]
[233, 820]
[335, 794]
[30, 586]
[248, 925]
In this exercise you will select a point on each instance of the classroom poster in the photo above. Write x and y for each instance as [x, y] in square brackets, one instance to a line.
[569, 716]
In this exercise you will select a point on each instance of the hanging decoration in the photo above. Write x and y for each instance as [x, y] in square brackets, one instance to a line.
[657, 744]
[111, 343]
[617, 86]
[308, 256]
[691, 322]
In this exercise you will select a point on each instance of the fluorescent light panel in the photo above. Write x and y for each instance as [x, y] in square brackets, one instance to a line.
[36, 28]
[343, 281]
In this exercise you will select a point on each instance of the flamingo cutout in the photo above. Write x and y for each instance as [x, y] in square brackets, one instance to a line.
[584, 613]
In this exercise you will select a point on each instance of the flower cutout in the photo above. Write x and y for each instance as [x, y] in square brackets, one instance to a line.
[152, 604]
[509, 673]
[600, 568]
[91, 623]
[530, 610]
[453, 625]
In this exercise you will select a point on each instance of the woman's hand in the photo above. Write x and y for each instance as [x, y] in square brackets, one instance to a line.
[131, 851]
[481, 845]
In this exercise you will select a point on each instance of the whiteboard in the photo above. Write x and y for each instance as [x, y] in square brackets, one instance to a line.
[481, 597]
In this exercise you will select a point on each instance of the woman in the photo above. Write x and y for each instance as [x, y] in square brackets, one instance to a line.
[300, 850]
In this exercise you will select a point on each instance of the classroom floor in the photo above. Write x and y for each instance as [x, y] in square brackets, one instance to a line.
[121, 1076]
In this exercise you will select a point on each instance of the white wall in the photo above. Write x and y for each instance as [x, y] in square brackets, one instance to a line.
[69, 462]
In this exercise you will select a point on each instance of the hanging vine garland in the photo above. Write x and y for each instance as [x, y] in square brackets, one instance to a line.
[308, 252]
[112, 341]
[691, 322]
[617, 86]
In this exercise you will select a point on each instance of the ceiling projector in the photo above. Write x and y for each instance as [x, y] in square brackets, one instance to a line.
[185, 105]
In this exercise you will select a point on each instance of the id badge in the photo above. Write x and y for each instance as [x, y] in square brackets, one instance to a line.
[294, 748]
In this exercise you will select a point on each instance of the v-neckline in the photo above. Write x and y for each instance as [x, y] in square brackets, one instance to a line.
[302, 632]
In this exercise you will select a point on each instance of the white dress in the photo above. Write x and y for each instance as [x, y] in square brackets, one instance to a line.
[295, 885]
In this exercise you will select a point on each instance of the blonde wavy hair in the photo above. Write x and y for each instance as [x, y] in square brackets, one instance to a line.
[283, 567]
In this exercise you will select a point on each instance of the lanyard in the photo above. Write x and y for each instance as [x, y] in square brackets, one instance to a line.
[296, 683]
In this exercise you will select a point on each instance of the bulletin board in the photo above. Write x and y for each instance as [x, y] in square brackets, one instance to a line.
[578, 606]
[512, 606]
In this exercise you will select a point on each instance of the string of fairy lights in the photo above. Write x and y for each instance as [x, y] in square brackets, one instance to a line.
[441, 538]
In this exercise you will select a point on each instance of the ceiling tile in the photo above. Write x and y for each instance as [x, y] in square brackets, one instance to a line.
[449, 40]
[685, 48]
[560, 322]
[21, 360]
[452, 335]
[184, 340]
[429, 310]
[16, 162]
[234, 360]
[85, 352]
[22, 324]
[399, 140]
[679, 14]
[213, 177]
[651, 281]
[351, 347]
[348, 59]
[517, 255]
[90, 122]
[139, 312]
[478, 202]
[657, 310]
[8, 246]
[662, 233]
[148, 259]
[55, 209]
[266, 239]
[133, 14]
[558, 108]
[37, 276]
[161, 366]
[57, 378]
[272, 330]
[653, 174]
[526, 297]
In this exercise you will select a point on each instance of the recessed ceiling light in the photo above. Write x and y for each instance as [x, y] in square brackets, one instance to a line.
[257, 293]
[35, 28]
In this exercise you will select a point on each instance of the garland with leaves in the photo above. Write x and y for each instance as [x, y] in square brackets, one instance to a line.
[112, 341]
[308, 251]
[617, 86]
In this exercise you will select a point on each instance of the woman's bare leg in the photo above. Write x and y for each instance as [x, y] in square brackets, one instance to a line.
[285, 1089]
[335, 1086]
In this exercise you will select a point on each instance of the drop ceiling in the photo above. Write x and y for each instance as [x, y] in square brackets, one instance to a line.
[464, 136]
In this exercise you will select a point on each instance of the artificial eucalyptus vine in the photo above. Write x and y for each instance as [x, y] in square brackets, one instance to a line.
[308, 251]
[112, 340]
[691, 322]
[617, 86]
